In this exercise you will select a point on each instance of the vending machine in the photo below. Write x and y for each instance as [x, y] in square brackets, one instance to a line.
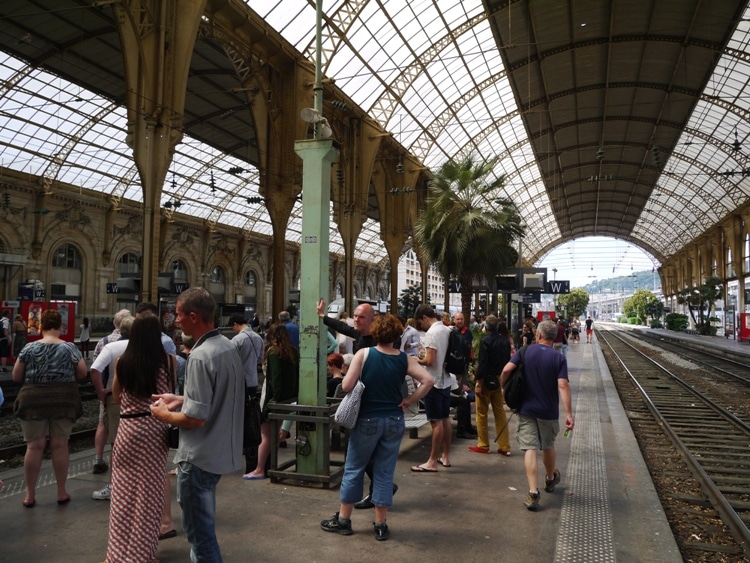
[32, 311]
[744, 333]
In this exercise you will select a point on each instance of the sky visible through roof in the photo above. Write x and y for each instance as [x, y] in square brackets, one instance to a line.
[589, 259]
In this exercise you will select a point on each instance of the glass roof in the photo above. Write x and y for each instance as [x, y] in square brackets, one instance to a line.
[701, 182]
[430, 73]
[52, 129]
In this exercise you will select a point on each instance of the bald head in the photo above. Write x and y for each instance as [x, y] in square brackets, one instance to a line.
[363, 317]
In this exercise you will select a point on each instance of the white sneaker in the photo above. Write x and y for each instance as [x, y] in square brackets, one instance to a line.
[103, 494]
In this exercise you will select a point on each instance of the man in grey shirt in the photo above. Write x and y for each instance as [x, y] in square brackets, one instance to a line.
[250, 346]
[210, 421]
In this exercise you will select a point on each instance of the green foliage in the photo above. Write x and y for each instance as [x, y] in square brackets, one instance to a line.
[410, 299]
[643, 305]
[701, 300]
[465, 230]
[633, 321]
[676, 321]
[656, 323]
[572, 304]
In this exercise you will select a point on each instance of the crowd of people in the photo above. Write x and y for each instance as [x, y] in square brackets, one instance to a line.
[216, 399]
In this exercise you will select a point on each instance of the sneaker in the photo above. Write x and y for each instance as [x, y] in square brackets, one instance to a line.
[532, 501]
[381, 531]
[366, 502]
[100, 467]
[103, 494]
[333, 525]
[479, 450]
[549, 484]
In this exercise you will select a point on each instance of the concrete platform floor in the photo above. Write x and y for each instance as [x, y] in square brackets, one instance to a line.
[605, 508]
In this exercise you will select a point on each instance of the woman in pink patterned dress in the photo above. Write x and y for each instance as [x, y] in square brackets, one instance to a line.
[139, 454]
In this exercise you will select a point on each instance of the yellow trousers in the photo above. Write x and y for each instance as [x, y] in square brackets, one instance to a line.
[494, 398]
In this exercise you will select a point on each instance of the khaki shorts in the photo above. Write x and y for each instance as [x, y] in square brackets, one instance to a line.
[109, 416]
[536, 433]
[52, 427]
[113, 417]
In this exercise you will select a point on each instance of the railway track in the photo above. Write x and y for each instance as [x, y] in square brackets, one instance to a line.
[738, 369]
[83, 438]
[712, 466]
[12, 446]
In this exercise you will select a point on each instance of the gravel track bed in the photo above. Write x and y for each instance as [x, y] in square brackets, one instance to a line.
[691, 517]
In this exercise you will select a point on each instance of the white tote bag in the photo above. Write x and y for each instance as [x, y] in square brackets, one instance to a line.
[348, 409]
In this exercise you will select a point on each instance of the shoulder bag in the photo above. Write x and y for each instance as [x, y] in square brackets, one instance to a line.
[347, 412]
[513, 390]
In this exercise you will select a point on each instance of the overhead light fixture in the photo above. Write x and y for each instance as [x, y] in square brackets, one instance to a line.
[600, 154]
[311, 115]
[325, 130]
[400, 165]
[736, 145]
[400, 191]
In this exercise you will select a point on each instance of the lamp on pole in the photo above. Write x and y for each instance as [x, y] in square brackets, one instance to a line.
[519, 285]
[317, 154]
[554, 276]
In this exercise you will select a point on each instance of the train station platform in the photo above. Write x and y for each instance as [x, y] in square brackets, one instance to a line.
[605, 508]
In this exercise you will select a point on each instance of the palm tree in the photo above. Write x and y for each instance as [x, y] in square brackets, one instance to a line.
[466, 230]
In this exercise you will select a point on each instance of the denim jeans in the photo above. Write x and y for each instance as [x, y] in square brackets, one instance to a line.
[196, 494]
[379, 439]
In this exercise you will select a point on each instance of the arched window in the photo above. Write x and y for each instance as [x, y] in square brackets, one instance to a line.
[217, 284]
[66, 274]
[339, 291]
[129, 264]
[218, 275]
[66, 256]
[179, 268]
[730, 266]
[250, 290]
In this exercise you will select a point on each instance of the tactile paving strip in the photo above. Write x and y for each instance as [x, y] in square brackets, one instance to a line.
[585, 532]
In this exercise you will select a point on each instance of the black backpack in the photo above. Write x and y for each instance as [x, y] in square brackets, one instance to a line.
[513, 390]
[455, 358]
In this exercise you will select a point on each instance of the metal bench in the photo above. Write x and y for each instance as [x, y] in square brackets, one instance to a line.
[414, 423]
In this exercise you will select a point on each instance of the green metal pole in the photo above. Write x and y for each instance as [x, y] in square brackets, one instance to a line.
[317, 157]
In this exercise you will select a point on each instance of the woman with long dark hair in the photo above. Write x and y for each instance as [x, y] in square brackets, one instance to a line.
[139, 455]
[282, 383]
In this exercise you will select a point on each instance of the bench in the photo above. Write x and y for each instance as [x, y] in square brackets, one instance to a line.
[414, 423]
